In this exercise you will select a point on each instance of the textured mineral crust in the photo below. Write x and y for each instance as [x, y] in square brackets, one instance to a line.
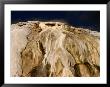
[54, 49]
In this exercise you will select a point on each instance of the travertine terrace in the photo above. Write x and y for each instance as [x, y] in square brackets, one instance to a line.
[54, 49]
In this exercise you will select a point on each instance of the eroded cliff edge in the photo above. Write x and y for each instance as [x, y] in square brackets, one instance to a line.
[53, 49]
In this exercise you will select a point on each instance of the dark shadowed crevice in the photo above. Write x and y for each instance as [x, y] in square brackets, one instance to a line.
[48, 66]
[41, 48]
[38, 71]
[97, 67]
[89, 68]
[77, 70]
[50, 24]
[33, 72]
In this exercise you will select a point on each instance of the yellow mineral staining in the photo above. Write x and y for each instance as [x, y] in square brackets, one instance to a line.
[54, 49]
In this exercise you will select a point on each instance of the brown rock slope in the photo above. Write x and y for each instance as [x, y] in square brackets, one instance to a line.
[53, 49]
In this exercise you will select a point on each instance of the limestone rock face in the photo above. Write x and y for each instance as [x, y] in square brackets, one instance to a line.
[54, 49]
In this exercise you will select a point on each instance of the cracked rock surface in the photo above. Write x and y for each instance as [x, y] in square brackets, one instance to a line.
[54, 49]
